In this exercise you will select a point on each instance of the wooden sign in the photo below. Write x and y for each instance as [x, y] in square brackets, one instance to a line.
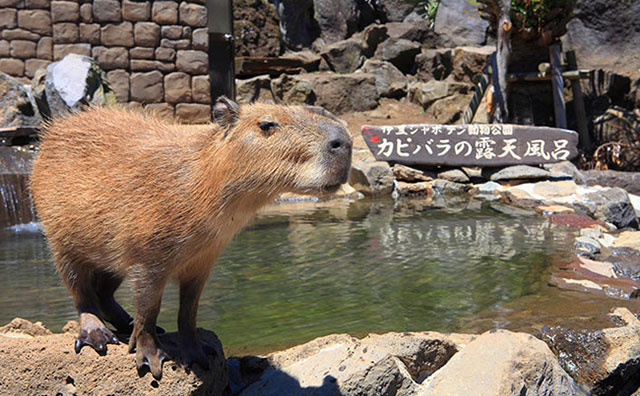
[470, 145]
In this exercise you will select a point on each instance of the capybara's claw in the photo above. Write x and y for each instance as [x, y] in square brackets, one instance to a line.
[96, 338]
[153, 361]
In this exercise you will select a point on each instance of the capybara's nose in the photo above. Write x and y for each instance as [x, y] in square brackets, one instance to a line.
[339, 141]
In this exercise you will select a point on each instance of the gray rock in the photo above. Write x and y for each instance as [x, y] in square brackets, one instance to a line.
[393, 10]
[489, 188]
[404, 189]
[502, 363]
[338, 93]
[344, 56]
[458, 23]
[390, 82]
[256, 89]
[388, 364]
[17, 104]
[372, 178]
[516, 172]
[336, 19]
[629, 181]
[408, 174]
[309, 60]
[454, 175]
[434, 64]
[611, 206]
[565, 170]
[400, 52]
[440, 186]
[71, 84]
[586, 246]
[426, 93]
[418, 31]
[371, 37]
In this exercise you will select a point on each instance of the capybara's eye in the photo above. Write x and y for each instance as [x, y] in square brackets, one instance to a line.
[268, 125]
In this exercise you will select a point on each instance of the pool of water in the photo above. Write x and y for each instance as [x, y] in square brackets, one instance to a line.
[300, 271]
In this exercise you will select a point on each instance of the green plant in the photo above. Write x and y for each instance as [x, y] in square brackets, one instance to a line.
[426, 8]
[537, 13]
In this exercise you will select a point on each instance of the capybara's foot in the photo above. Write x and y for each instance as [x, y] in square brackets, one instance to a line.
[148, 354]
[196, 353]
[94, 333]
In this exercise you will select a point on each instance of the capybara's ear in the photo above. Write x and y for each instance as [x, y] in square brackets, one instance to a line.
[225, 112]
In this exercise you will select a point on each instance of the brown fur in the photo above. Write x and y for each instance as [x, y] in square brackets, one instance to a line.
[121, 194]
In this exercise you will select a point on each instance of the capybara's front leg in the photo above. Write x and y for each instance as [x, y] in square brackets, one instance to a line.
[192, 350]
[148, 296]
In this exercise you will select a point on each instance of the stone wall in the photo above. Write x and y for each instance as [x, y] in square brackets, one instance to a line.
[155, 53]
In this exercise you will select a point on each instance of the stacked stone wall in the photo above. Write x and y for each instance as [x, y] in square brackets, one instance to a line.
[154, 53]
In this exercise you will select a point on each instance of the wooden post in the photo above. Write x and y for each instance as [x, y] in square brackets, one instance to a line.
[555, 53]
[481, 87]
[578, 104]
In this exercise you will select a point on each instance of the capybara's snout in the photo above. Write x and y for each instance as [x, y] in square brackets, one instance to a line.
[338, 152]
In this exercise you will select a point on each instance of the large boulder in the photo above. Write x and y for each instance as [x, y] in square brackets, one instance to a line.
[344, 56]
[629, 181]
[337, 19]
[390, 82]
[400, 52]
[338, 93]
[17, 104]
[434, 64]
[419, 31]
[605, 35]
[388, 364]
[468, 62]
[426, 93]
[502, 363]
[71, 84]
[256, 89]
[393, 10]
[611, 206]
[458, 23]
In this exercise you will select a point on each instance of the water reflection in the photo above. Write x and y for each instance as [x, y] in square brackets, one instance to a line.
[298, 273]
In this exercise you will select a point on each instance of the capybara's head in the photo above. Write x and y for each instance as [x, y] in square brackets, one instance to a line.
[294, 148]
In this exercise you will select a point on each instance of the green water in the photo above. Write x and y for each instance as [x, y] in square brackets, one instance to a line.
[302, 271]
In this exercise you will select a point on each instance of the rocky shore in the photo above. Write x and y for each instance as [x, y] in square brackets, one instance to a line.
[499, 362]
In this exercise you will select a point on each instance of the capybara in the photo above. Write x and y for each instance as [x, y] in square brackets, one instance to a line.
[121, 193]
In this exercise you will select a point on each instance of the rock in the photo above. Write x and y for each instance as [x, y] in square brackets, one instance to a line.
[256, 89]
[468, 62]
[17, 105]
[310, 61]
[400, 52]
[454, 175]
[371, 37]
[71, 84]
[604, 36]
[446, 187]
[408, 174]
[255, 28]
[393, 10]
[586, 246]
[547, 210]
[47, 363]
[575, 221]
[626, 263]
[489, 188]
[629, 181]
[448, 110]
[404, 189]
[611, 206]
[390, 82]
[502, 363]
[372, 178]
[298, 27]
[555, 189]
[426, 93]
[327, 90]
[605, 362]
[418, 31]
[336, 19]
[629, 239]
[391, 363]
[344, 56]
[458, 23]
[565, 170]
[19, 326]
[516, 172]
[434, 64]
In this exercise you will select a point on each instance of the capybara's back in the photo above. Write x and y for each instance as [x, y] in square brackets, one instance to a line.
[120, 193]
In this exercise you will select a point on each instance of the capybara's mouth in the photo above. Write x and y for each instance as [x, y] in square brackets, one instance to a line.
[329, 189]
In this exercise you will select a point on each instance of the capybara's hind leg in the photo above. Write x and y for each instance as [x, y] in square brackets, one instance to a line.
[79, 278]
[148, 296]
[106, 284]
[192, 350]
